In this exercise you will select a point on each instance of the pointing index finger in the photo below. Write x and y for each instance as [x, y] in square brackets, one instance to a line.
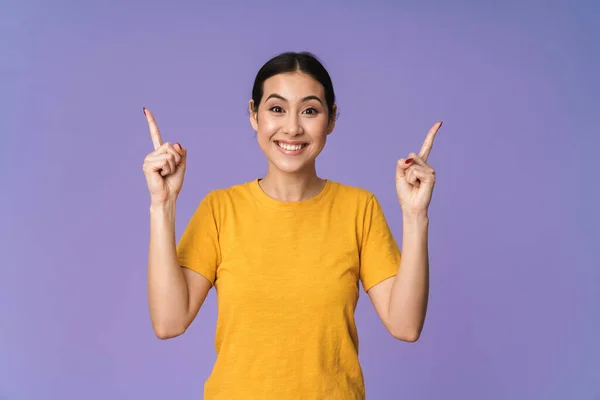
[428, 143]
[154, 132]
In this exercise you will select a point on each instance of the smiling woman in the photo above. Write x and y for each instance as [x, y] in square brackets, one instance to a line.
[286, 252]
[293, 111]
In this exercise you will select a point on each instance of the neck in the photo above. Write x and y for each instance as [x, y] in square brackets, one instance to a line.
[299, 186]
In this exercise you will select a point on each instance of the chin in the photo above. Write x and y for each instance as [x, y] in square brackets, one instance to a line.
[291, 167]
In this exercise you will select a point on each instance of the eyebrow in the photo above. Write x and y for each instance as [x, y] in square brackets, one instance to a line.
[278, 96]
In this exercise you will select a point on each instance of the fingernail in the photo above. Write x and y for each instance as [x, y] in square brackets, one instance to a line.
[409, 161]
[144, 110]
[177, 143]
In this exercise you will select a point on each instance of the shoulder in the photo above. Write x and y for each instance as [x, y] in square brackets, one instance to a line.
[354, 199]
[352, 193]
[218, 202]
[228, 191]
[227, 195]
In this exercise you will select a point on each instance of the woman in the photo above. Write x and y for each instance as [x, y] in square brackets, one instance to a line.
[286, 252]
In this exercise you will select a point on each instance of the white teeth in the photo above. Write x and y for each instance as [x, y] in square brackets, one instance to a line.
[290, 147]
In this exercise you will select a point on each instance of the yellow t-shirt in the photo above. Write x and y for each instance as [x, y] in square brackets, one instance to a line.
[287, 279]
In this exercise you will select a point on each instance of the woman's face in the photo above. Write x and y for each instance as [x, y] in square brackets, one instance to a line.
[292, 122]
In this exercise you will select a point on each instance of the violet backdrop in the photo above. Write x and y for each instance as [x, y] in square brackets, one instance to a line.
[513, 312]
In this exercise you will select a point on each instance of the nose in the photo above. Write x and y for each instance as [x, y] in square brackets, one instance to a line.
[292, 125]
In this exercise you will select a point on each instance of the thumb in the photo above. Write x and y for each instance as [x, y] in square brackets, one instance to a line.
[182, 152]
[402, 166]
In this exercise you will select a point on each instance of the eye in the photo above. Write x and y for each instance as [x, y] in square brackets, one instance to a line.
[311, 111]
[276, 109]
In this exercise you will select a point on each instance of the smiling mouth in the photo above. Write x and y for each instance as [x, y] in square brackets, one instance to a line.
[291, 147]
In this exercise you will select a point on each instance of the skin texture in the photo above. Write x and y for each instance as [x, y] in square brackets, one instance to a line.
[293, 110]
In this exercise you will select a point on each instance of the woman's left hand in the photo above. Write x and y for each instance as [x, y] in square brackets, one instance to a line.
[415, 178]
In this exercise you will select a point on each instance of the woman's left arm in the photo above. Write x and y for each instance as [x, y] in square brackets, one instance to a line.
[401, 301]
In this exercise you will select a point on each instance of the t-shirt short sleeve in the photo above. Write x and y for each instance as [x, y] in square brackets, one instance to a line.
[379, 253]
[199, 248]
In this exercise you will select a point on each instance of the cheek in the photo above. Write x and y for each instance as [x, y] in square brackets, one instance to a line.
[318, 129]
[267, 125]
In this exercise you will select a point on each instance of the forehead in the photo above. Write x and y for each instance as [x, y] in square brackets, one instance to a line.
[293, 86]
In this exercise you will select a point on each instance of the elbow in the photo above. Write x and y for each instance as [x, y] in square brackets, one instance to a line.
[406, 330]
[406, 335]
[165, 332]
[409, 338]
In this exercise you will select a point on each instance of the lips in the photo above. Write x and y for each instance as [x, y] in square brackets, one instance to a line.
[291, 146]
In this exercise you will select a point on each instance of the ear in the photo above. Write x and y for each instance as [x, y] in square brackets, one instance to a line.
[253, 115]
[332, 119]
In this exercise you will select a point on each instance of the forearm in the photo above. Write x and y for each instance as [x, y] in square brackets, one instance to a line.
[167, 288]
[410, 291]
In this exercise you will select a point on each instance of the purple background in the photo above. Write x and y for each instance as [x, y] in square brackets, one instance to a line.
[514, 288]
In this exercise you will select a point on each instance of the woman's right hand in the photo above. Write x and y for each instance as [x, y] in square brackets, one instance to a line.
[164, 168]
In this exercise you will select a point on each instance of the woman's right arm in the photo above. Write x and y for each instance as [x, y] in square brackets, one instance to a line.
[175, 294]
